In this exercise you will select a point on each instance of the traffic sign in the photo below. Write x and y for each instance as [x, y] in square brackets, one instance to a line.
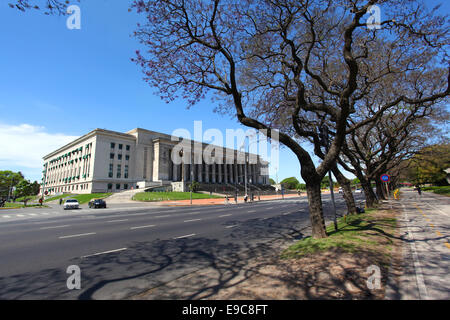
[385, 177]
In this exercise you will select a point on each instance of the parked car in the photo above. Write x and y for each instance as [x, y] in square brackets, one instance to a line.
[358, 191]
[341, 190]
[97, 203]
[71, 204]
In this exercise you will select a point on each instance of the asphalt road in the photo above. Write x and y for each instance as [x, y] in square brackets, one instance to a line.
[125, 250]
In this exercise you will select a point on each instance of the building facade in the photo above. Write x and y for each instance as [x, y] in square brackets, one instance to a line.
[109, 161]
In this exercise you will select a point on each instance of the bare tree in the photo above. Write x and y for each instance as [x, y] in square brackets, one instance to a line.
[48, 6]
[278, 64]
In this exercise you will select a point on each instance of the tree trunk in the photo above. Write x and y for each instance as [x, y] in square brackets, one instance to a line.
[371, 198]
[316, 211]
[345, 184]
[380, 189]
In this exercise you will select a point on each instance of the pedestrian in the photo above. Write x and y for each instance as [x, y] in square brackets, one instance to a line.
[245, 198]
[60, 201]
[419, 190]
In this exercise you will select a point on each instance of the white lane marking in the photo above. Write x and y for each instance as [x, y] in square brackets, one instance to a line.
[140, 227]
[162, 216]
[6, 216]
[32, 214]
[110, 221]
[185, 236]
[192, 220]
[269, 208]
[54, 227]
[231, 226]
[104, 252]
[225, 215]
[77, 235]
[251, 211]
[194, 212]
[419, 275]
[286, 213]
[20, 215]
[45, 213]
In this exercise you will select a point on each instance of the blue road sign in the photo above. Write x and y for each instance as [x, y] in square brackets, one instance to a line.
[385, 178]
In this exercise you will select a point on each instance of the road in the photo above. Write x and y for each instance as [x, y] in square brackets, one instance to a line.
[125, 250]
[426, 234]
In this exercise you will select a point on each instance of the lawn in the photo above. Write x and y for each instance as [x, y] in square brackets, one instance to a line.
[164, 196]
[445, 190]
[82, 198]
[369, 230]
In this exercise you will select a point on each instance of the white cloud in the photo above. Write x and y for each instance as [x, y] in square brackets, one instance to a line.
[23, 146]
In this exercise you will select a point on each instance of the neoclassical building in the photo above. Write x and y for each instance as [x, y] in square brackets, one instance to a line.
[109, 161]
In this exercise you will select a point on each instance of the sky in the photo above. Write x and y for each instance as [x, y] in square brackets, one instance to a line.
[57, 84]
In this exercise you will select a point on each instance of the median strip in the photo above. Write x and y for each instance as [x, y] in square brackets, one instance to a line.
[77, 235]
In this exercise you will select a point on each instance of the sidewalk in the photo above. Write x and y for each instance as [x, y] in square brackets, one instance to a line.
[424, 225]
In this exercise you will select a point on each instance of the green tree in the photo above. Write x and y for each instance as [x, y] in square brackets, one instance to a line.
[429, 164]
[25, 189]
[8, 180]
[290, 183]
[325, 184]
[271, 181]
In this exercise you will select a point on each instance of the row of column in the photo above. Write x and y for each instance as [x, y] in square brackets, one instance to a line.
[217, 173]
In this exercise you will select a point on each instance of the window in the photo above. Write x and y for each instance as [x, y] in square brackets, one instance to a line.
[111, 155]
[128, 147]
[125, 174]
[119, 169]
[120, 146]
[110, 173]
[109, 186]
[119, 156]
[113, 145]
[125, 186]
[127, 157]
[118, 186]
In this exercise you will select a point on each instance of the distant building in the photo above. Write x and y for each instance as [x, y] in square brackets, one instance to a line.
[109, 161]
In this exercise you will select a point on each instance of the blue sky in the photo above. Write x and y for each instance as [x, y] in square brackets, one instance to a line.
[57, 84]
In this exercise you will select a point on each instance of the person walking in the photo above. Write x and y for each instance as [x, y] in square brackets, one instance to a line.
[419, 190]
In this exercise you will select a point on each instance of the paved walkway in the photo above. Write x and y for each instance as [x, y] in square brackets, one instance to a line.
[425, 231]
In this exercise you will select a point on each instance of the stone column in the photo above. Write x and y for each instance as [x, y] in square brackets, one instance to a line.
[220, 173]
[207, 172]
[175, 172]
[213, 175]
[225, 172]
[199, 172]
[185, 172]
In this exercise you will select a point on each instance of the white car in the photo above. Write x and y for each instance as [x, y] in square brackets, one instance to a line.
[71, 204]
[358, 191]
